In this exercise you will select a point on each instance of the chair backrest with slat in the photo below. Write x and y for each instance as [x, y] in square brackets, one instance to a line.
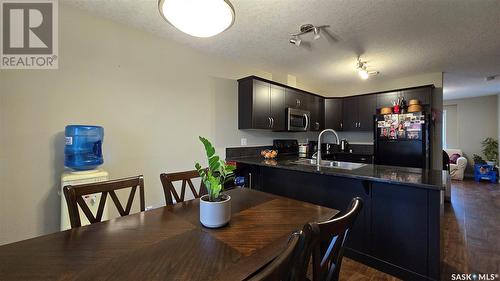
[329, 239]
[167, 180]
[291, 264]
[74, 198]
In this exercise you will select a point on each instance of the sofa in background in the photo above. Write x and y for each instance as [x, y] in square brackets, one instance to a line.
[457, 170]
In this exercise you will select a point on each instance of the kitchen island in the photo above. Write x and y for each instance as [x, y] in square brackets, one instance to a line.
[398, 230]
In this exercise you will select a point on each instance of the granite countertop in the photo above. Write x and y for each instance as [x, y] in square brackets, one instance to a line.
[422, 178]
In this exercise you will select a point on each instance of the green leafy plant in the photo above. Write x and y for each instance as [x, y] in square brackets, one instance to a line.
[490, 149]
[478, 159]
[217, 174]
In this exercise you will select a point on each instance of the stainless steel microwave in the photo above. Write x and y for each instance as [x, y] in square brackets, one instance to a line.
[297, 120]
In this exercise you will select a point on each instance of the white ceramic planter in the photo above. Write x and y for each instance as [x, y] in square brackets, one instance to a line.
[215, 214]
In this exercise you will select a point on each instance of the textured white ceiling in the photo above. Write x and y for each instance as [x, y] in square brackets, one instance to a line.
[398, 38]
[459, 86]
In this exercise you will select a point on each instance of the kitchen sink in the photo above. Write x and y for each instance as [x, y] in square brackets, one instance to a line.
[330, 164]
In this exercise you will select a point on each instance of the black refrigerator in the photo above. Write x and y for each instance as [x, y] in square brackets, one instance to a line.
[402, 140]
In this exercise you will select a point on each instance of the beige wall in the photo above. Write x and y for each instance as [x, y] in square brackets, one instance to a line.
[153, 97]
[437, 133]
[451, 126]
[476, 119]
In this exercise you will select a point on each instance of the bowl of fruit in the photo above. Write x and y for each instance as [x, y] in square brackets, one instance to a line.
[269, 153]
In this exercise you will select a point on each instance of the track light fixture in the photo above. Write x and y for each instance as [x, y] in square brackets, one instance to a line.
[362, 70]
[295, 40]
[304, 29]
[317, 34]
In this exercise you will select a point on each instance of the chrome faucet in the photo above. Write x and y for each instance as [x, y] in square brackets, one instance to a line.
[318, 157]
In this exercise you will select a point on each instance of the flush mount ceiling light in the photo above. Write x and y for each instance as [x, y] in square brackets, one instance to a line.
[199, 18]
[362, 70]
[304, 29]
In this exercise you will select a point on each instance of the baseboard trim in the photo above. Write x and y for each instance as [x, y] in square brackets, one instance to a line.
[386, 267]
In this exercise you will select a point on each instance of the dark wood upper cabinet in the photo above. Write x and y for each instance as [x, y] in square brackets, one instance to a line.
[254, 104]
[358, 113]
[350, 114]
[333, 114]
[262, 104]
[278, 109]
[387, 99]
[296, 99]
[367, 107]
[317, 109]
[423, 94]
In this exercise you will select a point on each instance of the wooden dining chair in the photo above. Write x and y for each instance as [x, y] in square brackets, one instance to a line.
[329, 238]
[167, 180]
[74, 198]
[291, 264]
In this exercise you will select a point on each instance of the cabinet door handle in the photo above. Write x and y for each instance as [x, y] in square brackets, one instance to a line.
[250, 180]
[359, 125]
[298, 103]
[269, 119]
[272, 122]
[341, 125]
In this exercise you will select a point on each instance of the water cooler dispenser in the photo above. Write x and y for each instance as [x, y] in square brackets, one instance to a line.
[82, 157]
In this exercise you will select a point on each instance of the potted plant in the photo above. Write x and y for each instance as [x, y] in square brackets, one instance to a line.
[215, 207]
[478, 160]
[490, 150]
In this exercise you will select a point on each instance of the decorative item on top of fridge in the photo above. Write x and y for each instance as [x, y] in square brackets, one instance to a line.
[401, 126]
[399, 106]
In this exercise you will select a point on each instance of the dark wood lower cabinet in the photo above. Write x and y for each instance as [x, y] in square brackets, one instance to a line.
[399, 222]
[324, 191]
[397, 231]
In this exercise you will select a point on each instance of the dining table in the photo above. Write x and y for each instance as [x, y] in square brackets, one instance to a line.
[166, 243]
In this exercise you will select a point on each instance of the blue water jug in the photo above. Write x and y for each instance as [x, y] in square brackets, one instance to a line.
[83, 149]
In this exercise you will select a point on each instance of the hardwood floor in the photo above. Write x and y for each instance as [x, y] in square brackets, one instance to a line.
[472, 229]
[355, 271]
[471, 235]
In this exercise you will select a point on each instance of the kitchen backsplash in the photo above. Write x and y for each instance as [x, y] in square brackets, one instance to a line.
[351, 137]
[249, 151]
[245, 151]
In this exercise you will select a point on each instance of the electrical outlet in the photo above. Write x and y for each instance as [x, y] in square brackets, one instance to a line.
[243, 141]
